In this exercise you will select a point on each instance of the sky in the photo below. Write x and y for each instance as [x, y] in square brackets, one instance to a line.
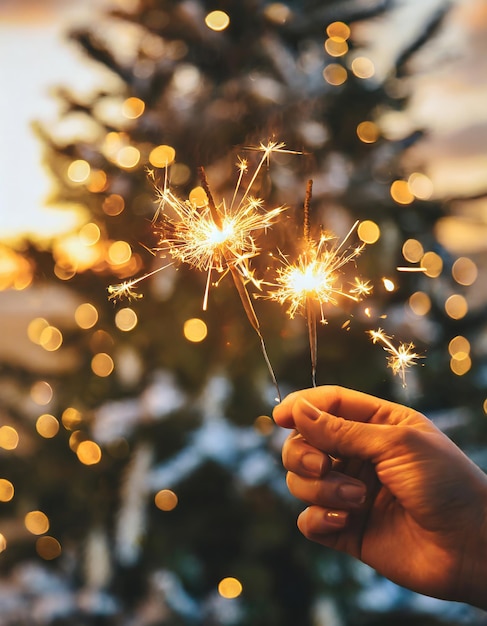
[35, 57]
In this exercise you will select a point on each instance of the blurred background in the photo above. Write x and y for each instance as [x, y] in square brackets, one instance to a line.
[140, 473]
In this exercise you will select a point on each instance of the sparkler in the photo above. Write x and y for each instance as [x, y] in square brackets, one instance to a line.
[312, 282]
[400, 358]
[215, 238]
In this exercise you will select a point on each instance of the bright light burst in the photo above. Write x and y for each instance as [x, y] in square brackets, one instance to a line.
[213, 237]
[400, 357]
[315, 276]
[314, 280]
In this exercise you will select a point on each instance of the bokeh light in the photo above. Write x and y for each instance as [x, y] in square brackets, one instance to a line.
[362, 67]
[456, 306]
[166, 500]
[412, 250]
[460, 366]
[197, 197]
[36, 522]
[420, 303]
[195, 330]
[128, 157]
[368, 131]
[339, 30]
[420, 186]
[6, 490]
[465, 271]
[98, 181]
[86, 315]
[336, 46]
[217, 20]
[9, 437]
[119, 253]
[459, 347]
[47, 426]
[133, 107]
[264, 425]
[102, 364]
[48, 548]
[432, 264]
[335, 74]
[277, 12]
[35, 328]
[230, 587]
[126, 319]
[71, 418]
[41, 392]
[162, 156]
[89, 234]
[88, 452]
[401, 193]
[51, 339]
[79, 171]
[368, 232]
[113, 204]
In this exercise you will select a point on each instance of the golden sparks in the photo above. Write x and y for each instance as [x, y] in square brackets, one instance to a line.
[313, 280]
[214, 237]
[400, 358]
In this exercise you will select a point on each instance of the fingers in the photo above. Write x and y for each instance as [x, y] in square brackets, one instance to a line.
[347, 403]
[300, 457]
[335, 491]
[339, 401]
[316, 522]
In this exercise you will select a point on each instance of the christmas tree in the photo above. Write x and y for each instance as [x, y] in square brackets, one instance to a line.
[140, 473]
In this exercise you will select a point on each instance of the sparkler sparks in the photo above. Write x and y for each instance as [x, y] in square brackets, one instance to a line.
[313, 281]
[126, 289]
[400, 358]
[221, 238]
[214, 237]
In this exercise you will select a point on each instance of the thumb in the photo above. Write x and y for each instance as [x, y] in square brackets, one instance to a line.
[340, 437]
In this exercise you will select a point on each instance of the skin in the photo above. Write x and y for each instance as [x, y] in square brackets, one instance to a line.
[384, 485]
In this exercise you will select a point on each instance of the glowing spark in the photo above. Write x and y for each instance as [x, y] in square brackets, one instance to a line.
[400, 358]
[127, 288]
[411, 269]
[315, 275]
[313, 280]
[213, 238]
[220, 238]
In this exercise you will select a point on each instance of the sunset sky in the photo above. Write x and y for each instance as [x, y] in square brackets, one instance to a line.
[35, 57]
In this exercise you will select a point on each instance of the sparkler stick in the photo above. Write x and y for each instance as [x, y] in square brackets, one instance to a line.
[310, 309]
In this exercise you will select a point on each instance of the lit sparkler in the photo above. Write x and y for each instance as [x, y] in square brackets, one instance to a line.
[215, 238]
[313, 281]
[401, 357]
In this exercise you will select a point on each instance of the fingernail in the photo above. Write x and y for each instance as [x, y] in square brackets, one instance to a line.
[309, 410]
[352, 493]
[336, 518]
[313, 462]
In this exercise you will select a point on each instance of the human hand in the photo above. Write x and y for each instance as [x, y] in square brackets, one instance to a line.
[389, 488]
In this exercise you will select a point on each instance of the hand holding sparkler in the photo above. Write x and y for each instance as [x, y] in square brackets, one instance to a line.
[408, 507]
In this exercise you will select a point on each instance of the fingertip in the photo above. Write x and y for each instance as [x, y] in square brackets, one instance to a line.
[282, 412]
[316, 521]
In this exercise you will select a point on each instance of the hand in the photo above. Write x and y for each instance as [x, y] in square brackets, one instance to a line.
[389, 488]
